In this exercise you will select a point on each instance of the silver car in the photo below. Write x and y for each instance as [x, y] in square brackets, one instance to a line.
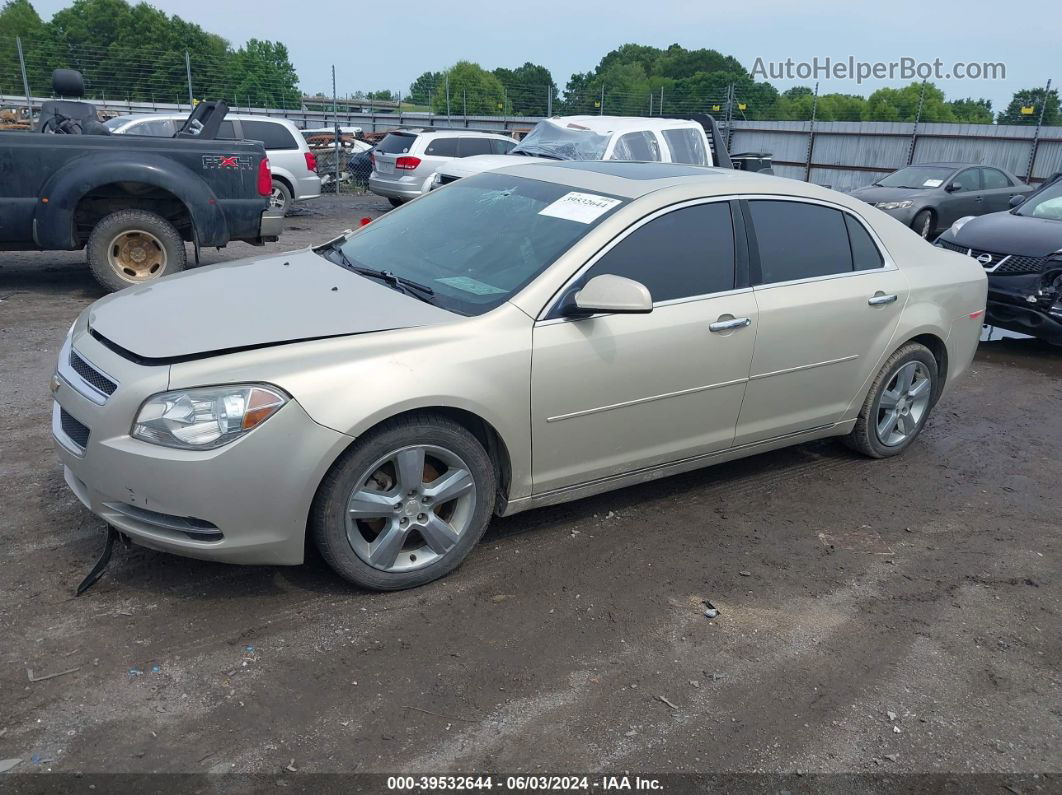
[519, 338]
[404, 161]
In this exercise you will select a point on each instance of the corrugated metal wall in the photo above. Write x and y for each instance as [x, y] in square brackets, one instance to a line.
[850, 154]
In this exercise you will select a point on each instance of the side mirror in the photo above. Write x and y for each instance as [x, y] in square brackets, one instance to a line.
[952, 187]
[1017, 201]
[612, 294]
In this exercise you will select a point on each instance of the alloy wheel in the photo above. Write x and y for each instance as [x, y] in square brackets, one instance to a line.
[410, 508]
[903, 404]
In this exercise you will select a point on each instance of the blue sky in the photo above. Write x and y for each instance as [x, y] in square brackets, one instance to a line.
[387, 45]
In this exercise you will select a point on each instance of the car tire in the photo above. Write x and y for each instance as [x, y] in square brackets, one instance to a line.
[395, 202]
[280, 197]
[133, 247]
[923, 224]
[881, 433]
[379, 527]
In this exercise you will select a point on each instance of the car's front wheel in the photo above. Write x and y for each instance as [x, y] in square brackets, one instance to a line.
[898, 403]
[923, 224]
[406, 504]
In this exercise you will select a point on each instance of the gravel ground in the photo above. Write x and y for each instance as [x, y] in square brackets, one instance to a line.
[875, 616]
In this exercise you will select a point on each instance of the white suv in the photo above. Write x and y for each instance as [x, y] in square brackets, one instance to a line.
[293, 165]
[405, 160]
[595, 138]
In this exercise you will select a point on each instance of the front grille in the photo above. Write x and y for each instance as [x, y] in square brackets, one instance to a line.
[999, 263]
[75, 431]
[91, 374]
[196, 529]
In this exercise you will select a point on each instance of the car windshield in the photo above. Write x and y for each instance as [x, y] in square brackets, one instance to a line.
[1047, 204]
[563, 142]
[478, 241]
[919, 177]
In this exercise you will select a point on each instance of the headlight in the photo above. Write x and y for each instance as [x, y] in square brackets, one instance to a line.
[206, 417]
[955, 227]
[894, 205]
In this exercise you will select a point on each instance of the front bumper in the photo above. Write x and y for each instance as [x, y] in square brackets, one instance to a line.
[1020, 303]
[905, 216]
[247, 502]
[1025, 320]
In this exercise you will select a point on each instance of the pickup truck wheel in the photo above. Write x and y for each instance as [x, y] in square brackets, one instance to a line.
[405, 504]
[395, 202]
[132, 247]
[280, 198]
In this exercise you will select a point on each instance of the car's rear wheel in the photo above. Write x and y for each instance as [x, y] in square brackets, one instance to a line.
[132, 247]
[395, 202]
[923, 223]
[406, 504]
[280, 197]
[898, 403]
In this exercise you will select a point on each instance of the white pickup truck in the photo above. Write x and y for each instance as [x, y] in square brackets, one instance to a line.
[600, 138]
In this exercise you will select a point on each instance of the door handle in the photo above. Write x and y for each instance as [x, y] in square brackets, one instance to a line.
[881, 299]
[729, 325]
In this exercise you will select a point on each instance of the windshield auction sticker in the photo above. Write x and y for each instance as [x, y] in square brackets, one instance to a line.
[582, 207]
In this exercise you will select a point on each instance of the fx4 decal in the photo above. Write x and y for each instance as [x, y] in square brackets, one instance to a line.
[243, 162]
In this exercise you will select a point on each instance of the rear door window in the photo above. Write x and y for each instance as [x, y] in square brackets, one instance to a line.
[968, 179]
[500, 146]
[865, 254]
[687, 252]
[799, 241]
[639, 145]
[468, 147]
[271, 134]
[995, 179]
[442, 147]
[396, 143]
[687, 146]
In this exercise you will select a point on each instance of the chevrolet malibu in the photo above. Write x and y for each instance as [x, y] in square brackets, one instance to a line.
[519, 338]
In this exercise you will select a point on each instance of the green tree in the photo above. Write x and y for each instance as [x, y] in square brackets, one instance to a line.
[528, 89]
[972, 111]
[473, 91]
[19, 18]
[423, 88]
[1031, 98]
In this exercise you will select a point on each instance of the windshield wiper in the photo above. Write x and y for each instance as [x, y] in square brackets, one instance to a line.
[401, 283]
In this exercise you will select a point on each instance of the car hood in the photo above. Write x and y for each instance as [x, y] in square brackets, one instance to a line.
[1006, 233]
[468, 166]
[253, 303]
[873, 194]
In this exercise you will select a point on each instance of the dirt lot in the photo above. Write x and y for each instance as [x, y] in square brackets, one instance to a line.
[899, 615]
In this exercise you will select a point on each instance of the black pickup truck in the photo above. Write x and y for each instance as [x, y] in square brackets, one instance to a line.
[132, 202]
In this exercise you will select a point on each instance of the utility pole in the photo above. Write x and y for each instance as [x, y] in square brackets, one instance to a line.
[914, 129]
[335, 119]
[188, 72]
[1036, 133]
[811, 134]
[25, 79]
[660, 105]
[549, 100]
[601, 104]
[448, 122]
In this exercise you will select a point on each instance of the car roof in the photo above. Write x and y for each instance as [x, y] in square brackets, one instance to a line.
[632, 180]
[241, 116]
[447, 131]
[611, 124]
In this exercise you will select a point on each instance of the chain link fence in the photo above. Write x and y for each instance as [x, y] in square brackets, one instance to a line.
[821, 139]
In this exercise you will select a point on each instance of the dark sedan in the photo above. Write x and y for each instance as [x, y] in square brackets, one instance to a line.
[1022, 252]
[929, 197]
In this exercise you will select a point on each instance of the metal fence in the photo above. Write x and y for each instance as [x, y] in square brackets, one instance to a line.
[841, 154]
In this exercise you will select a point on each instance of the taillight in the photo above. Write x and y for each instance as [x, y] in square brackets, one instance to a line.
[265, 177]
[311, 161]
[407, 163]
